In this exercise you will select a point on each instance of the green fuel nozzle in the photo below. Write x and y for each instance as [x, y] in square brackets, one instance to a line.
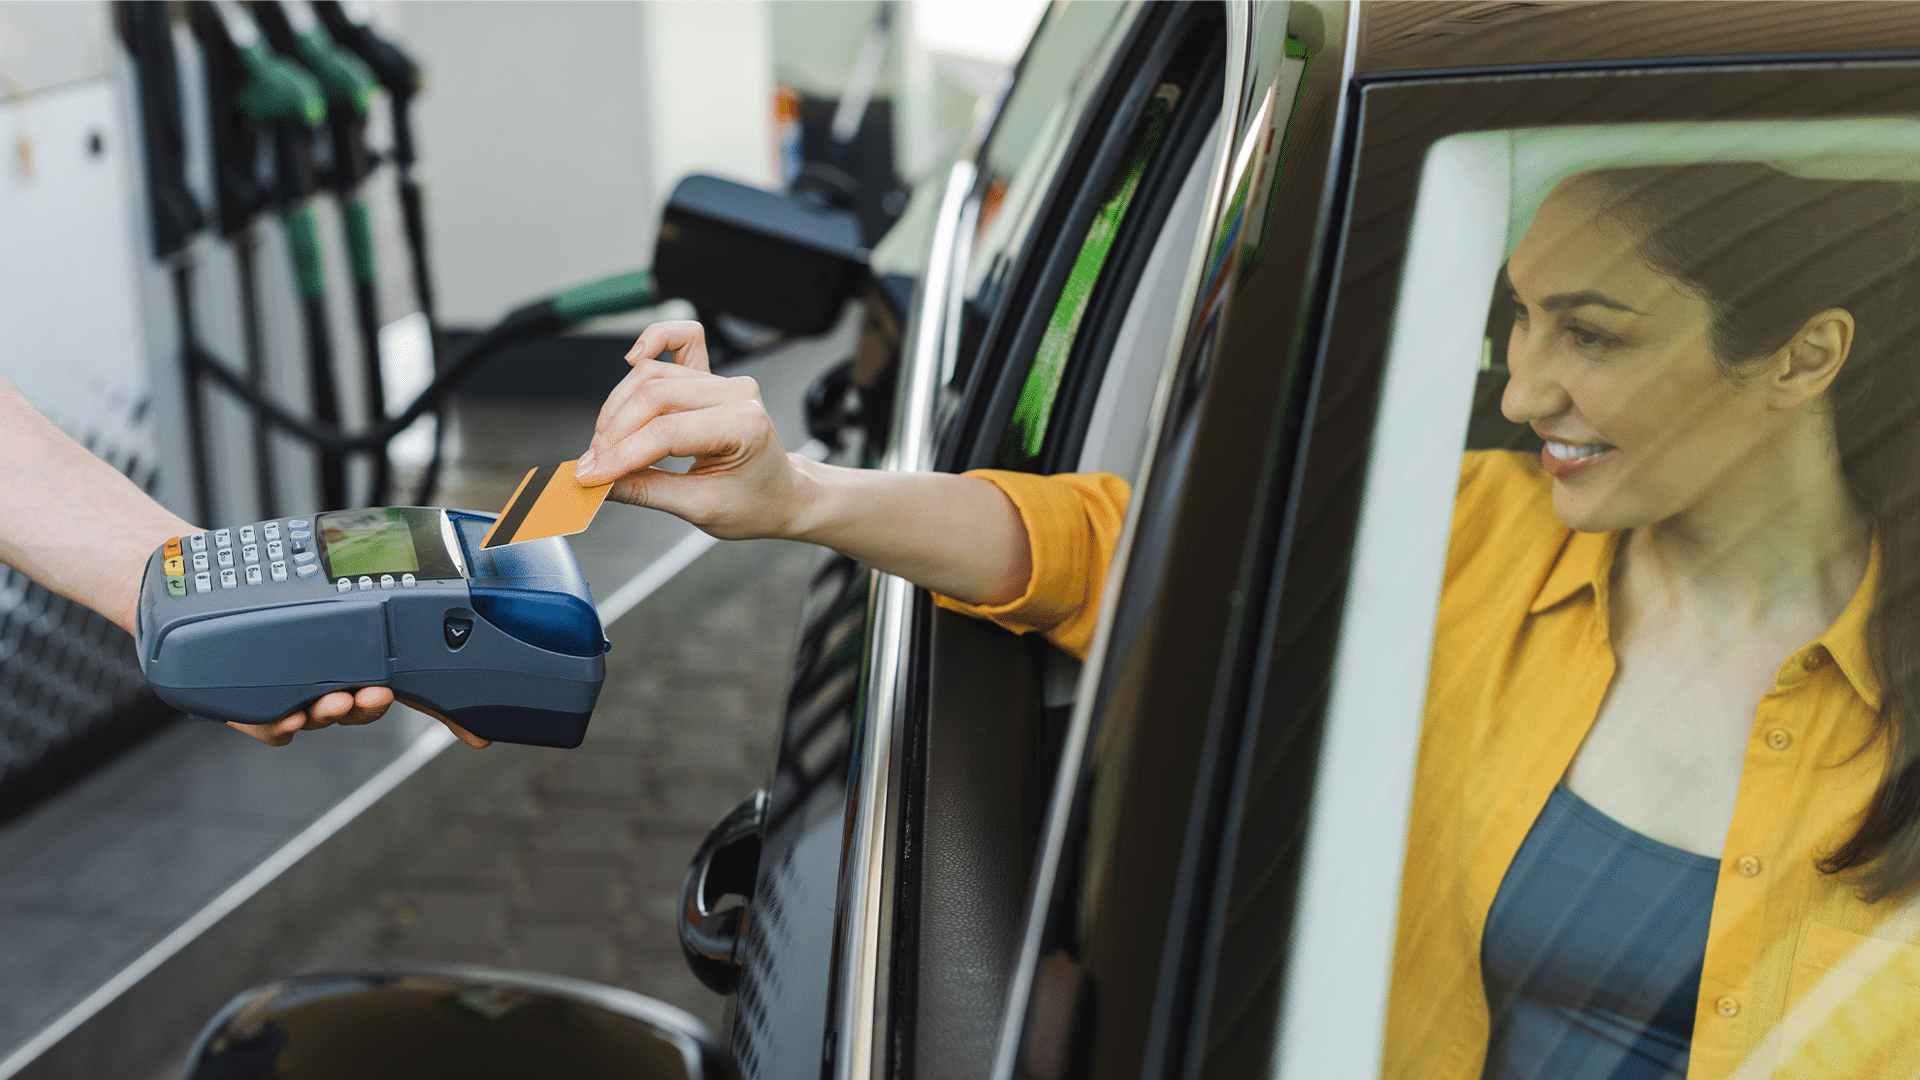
[278, 90]
[347, 82]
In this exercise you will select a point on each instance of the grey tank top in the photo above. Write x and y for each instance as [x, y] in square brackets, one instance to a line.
[1593, 949]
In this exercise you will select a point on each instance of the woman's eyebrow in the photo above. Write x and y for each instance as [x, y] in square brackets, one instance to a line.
[1567, 301]
[1586, 298]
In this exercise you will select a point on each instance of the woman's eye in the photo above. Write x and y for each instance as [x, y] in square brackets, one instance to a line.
[1588, 339]
[1519, 313]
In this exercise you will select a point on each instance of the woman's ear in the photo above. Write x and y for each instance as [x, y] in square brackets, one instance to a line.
[1808, 364]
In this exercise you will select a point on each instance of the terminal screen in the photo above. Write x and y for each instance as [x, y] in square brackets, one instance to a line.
[368, 542]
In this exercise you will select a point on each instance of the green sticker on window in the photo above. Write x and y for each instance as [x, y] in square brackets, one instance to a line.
[1027, 430]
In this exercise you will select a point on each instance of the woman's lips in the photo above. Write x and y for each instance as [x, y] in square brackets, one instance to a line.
[1564, 461]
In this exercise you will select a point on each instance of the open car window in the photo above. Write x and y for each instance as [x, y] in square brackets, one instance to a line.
[1601, 780]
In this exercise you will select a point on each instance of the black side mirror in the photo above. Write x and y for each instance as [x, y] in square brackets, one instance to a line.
[778, 261]
[452, 1020]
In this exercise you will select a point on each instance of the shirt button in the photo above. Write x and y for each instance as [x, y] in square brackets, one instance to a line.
[1815, 660]
[1749, 866]
[1727, 1006]
[1779, 738]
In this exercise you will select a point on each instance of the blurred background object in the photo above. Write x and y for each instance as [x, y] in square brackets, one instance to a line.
[238, 240]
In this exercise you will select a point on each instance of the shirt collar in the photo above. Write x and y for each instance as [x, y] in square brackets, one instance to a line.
[1846, 639]
[1586, 562]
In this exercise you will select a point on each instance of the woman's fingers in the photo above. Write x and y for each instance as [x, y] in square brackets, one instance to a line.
[686, 339]
[716, 434]
[648, 402]
[643, 373]
[647, 427]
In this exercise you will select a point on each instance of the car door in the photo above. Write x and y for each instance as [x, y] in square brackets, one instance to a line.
[896, 838]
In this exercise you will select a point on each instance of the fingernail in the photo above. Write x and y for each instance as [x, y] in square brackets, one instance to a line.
[583, 466]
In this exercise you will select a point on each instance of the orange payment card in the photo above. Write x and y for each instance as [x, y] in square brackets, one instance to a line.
[548, 502]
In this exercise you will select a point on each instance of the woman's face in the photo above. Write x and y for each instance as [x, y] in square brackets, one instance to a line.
[1612, 364]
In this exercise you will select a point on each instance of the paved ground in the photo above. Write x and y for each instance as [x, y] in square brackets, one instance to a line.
[571, 863]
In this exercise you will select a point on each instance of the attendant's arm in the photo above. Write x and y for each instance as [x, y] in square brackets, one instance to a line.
[72, 523]
[956, 535]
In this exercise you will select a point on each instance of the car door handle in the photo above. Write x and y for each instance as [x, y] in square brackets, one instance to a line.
[726, 864]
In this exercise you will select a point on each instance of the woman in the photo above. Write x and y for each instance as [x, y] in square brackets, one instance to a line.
[1665, 815]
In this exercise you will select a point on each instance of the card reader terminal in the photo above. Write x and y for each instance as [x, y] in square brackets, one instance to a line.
[254, 622]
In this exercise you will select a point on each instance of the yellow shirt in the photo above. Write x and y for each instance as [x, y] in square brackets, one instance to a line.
[1801, 978]
[1073, 524]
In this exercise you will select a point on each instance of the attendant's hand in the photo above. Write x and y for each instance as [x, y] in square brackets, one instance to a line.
[742, 483]
[363, 706]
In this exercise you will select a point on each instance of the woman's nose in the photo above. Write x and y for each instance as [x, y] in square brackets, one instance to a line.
[1532, 393]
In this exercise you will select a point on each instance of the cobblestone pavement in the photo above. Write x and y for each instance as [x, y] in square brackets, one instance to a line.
[570, 862]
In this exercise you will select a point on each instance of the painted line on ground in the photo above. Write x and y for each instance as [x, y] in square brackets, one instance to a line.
[424, 748]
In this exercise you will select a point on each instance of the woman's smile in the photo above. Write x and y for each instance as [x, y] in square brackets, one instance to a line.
[1566, 460]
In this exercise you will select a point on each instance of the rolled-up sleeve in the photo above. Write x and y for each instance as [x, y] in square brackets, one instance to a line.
[1073, 525]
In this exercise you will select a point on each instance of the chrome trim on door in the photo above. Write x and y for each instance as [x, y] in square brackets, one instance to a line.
[867, 877]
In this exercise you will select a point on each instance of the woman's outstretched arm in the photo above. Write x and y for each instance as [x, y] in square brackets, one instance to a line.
[956, 535]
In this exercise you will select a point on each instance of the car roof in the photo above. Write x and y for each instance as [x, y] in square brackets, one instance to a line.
[1431, 35]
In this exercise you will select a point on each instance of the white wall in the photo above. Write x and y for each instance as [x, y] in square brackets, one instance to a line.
[710, 67]
[551, 133]
[533, 135]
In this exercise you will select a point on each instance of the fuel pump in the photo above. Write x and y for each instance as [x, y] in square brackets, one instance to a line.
[248, 88]
[172, 212]
[399, 76]
[295, 181]
[348, 85]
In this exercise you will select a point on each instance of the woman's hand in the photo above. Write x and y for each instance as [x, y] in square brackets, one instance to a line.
[956, 535]
[742, 484]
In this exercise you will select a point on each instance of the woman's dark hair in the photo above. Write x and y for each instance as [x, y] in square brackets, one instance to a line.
[1768, 251]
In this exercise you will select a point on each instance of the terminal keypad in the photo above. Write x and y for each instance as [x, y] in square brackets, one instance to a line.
[258, 555]
[250, 555]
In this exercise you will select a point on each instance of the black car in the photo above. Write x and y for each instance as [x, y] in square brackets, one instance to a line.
[1241, 255]
[979, 857]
